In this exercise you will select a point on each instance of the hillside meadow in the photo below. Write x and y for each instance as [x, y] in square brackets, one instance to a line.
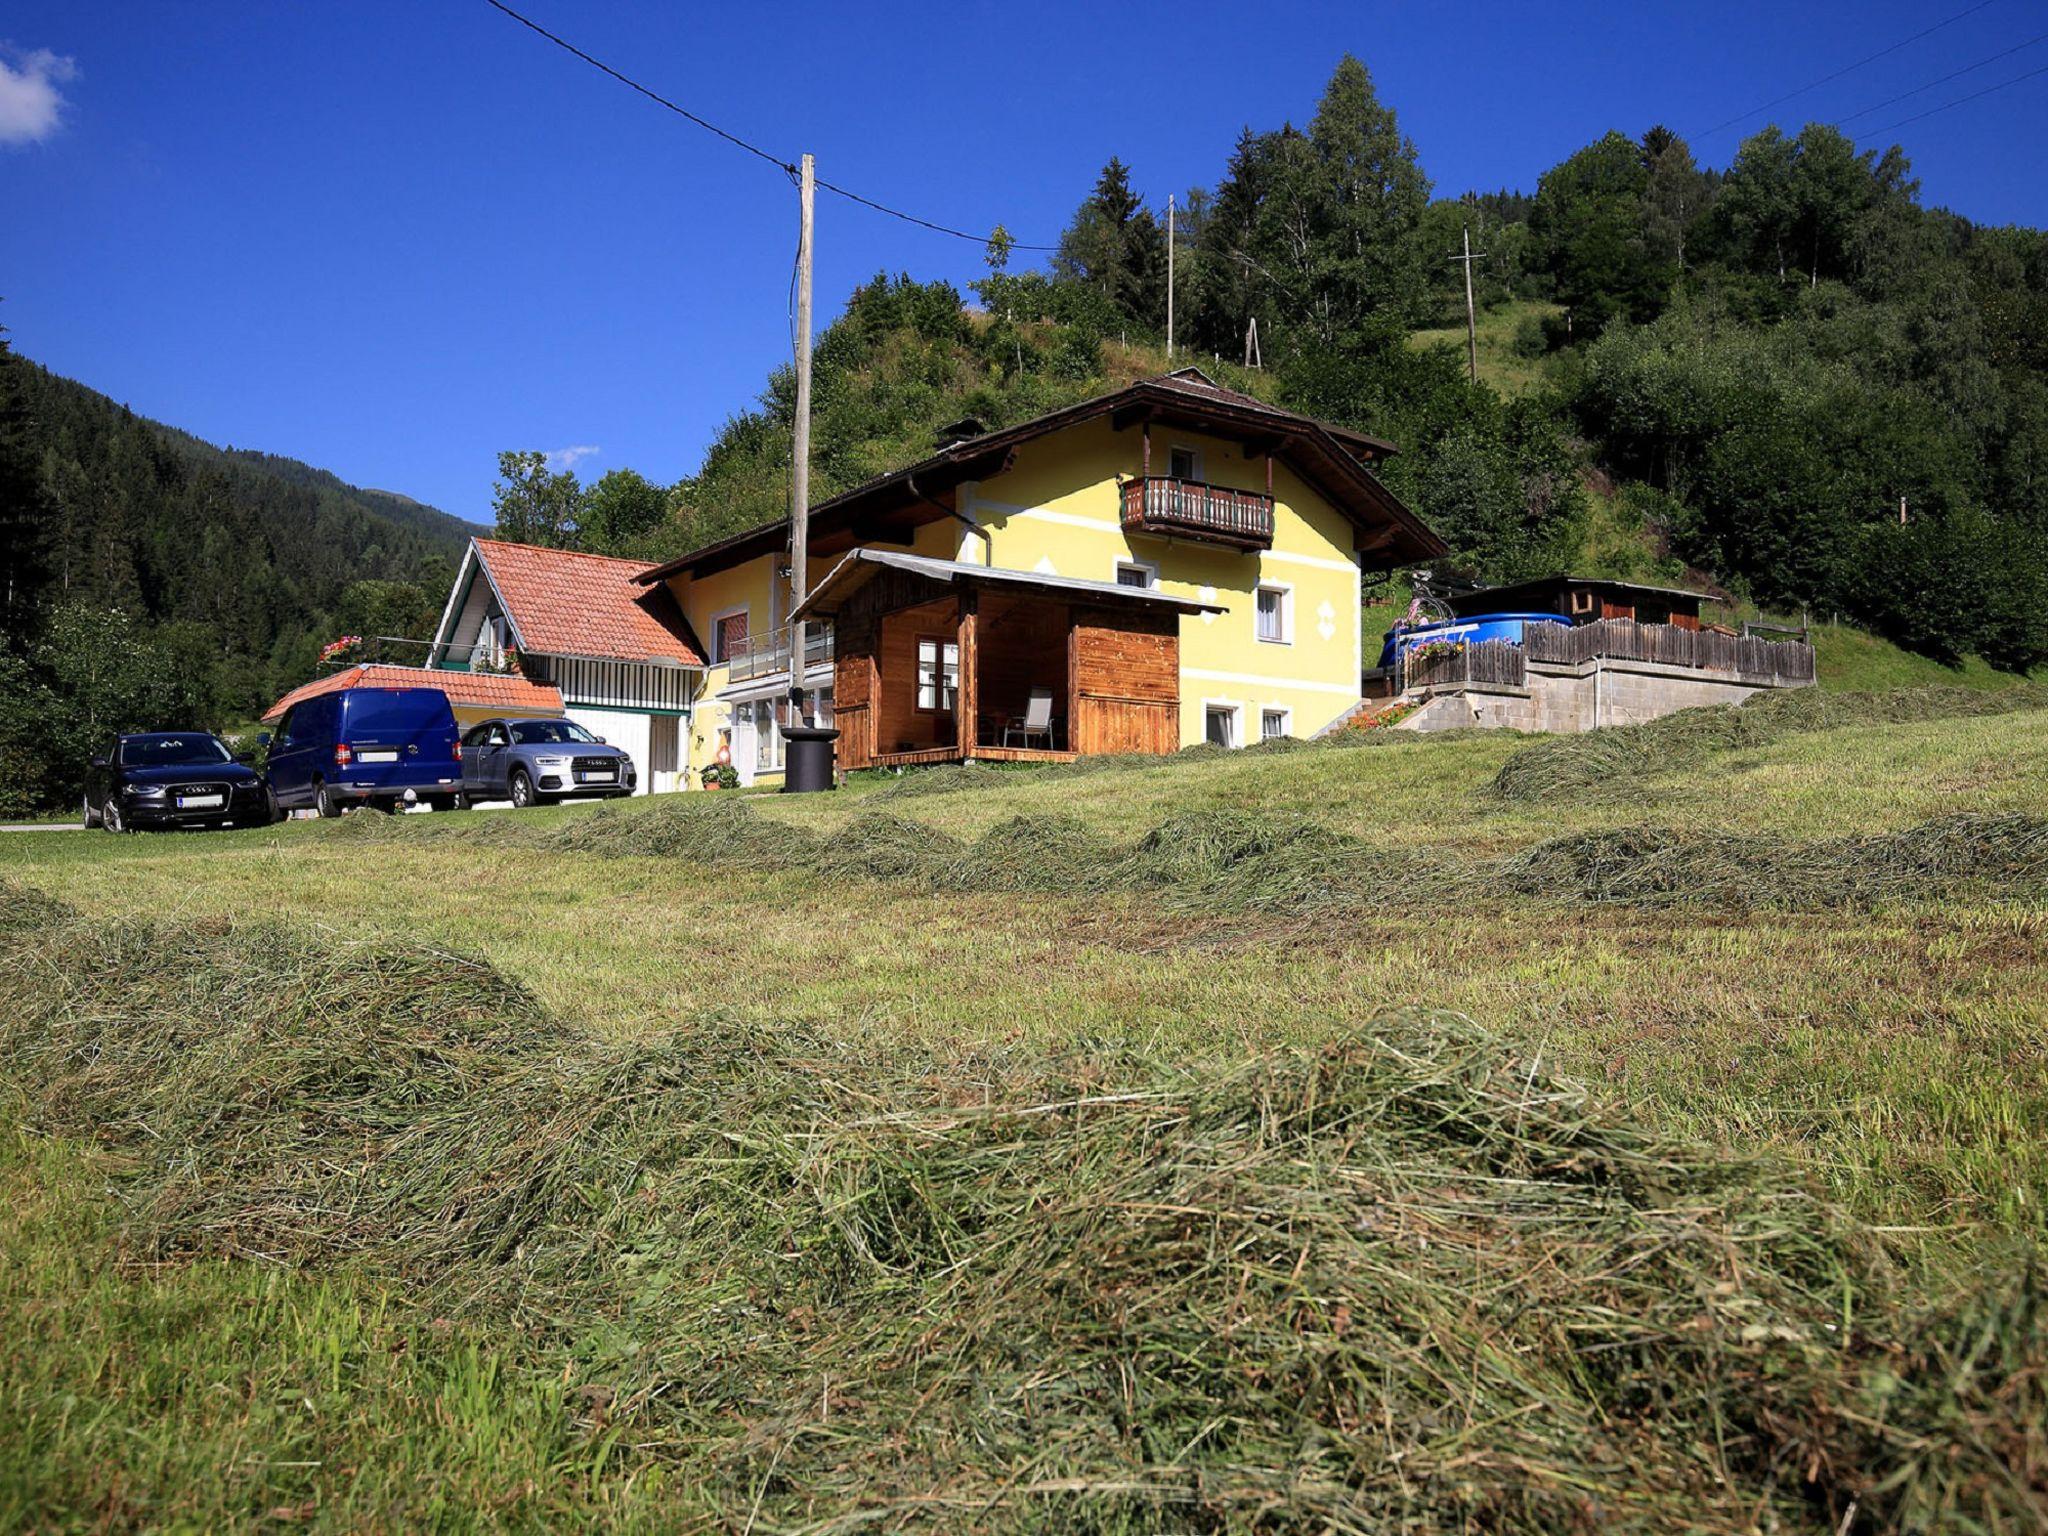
[1645, 1130]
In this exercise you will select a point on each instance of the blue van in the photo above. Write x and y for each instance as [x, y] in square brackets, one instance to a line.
[387, 747]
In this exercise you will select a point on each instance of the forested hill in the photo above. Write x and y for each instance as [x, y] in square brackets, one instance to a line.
[219, 572]
[1789, 377]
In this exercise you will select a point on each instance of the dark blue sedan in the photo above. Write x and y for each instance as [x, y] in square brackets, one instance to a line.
[529, 761]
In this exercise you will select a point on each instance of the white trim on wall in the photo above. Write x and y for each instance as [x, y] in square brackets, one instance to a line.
[1313, 562]
[1253, 680]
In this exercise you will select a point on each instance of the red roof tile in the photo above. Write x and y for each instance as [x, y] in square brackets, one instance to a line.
[564, 603]
[483, 690]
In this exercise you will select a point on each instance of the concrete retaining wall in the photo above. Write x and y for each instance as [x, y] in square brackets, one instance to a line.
[1565, 698]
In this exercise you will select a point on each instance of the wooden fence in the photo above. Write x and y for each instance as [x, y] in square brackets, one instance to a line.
[1499, 662]
[1770, 663]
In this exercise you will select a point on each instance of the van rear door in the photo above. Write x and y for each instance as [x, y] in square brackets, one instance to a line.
[399, 738]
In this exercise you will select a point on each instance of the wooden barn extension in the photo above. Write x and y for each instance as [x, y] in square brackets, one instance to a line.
[936, 661]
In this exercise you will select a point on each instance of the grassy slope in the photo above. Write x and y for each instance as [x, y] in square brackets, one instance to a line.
[1896, 1055]
[1499, 363]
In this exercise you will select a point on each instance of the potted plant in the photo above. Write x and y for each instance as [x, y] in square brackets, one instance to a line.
[720, 776]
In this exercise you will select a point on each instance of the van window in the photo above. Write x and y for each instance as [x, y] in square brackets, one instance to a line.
[374, 711]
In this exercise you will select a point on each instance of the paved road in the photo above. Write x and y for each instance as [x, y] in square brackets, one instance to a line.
[46, 826]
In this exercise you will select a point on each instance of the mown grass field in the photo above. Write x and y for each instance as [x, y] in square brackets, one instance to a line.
[227, 1305]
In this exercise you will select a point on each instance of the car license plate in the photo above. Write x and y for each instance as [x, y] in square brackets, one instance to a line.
[596, 776]
[200, 802]
[376, 757]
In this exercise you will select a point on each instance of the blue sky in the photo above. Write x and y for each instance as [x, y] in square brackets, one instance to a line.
[393, 238]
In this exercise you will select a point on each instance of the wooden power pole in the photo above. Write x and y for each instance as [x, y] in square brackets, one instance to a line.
[1169, 277]
[1471, 317]
[800, 469]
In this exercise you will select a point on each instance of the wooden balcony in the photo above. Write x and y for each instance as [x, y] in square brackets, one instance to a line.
[1189, 509]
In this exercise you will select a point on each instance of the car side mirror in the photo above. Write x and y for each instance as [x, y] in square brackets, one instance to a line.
[602, 742]
[263, 738]
[99, 762]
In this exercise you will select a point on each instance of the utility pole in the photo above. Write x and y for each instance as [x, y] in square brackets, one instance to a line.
[1170, 221]
[1471, 316]
[800, 470]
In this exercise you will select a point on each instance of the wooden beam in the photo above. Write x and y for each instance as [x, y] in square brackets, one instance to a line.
[1130, 416]
[967, 696]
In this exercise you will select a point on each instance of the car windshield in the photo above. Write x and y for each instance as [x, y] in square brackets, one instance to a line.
[546, 733]
[172, 751]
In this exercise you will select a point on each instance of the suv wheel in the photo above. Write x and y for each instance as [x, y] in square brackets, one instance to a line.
[522, 789]
[89, 813]
[110, 815]
[324, 801]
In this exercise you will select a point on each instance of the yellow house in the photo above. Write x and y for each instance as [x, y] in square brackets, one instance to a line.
[1167, 564]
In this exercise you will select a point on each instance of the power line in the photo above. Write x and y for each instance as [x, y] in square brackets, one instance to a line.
[1844, 70]
[1960, 100]
[788, 168]
[1944, 80]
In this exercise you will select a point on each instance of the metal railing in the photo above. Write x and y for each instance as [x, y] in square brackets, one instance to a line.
[764, 655]
[1193, 509]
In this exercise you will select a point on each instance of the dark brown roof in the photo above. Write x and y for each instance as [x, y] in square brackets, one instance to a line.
[1331, 459]
[1480, 597]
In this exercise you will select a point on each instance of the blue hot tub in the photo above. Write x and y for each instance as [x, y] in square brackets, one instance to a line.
[1480, 626]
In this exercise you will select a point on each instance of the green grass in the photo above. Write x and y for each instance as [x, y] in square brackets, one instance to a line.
[1889, 1052]
[1851, 659]
[1500, 363]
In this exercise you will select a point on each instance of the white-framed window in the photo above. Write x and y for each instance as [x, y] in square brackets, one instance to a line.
[1273, 613]
[938, 674]
[728, 635]
[1184, 463]
[763, 716]
[1275, 723]
[1136, 573]
[1220, 724]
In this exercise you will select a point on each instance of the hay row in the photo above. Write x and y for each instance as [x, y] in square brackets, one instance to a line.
[1619, 759]
[1410, 1281]
[1235, 861]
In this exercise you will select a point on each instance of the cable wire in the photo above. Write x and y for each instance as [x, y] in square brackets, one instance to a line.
[785, 166]
[1844, 70]
[1960, 100]
[1953, 74]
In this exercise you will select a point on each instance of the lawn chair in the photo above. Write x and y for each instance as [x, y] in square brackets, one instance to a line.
[1035, 721]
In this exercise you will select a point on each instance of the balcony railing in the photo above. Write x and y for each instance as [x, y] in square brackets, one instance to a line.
[1189, 509]
[762, 655]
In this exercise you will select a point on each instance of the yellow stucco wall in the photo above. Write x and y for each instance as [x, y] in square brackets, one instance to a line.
[1057, 510]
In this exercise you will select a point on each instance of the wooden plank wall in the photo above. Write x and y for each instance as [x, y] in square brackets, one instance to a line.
[853, 689]
[1124, 681]
[899, 725]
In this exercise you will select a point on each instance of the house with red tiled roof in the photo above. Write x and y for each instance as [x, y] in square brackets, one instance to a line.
[618, 654]
[1169, 563]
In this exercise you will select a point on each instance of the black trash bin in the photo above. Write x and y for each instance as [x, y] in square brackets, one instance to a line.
[807, 764]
